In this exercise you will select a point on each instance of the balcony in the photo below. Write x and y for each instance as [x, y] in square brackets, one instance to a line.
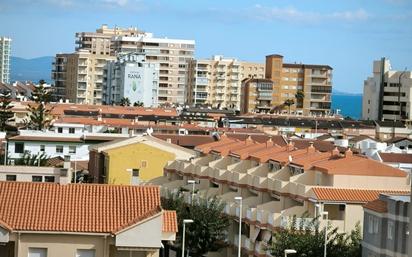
[251, 215]
[258, 176]
[245, 242]
[229, 198]
[249, 202]
[221, 175]
[266, 213]
[260, 248]
[202, 81]
[296, 213]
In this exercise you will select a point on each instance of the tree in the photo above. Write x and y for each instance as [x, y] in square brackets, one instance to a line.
[39, 111]
[29, 159]
[288, 103]
[299, 98]
[125, 101]
[5, 109]
[207, 233]
[138, 104]
[308, 240]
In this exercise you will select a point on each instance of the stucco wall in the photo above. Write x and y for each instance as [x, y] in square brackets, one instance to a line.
[370, 182]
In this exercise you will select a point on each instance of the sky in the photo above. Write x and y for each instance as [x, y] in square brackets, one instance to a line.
[345, 34]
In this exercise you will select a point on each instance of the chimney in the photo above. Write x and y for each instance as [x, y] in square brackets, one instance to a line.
[348, 153]
[290, 146]
[335, 152]
[248, 140]
[311, 148]
[269, 143]
[223, 135]
[99, 117]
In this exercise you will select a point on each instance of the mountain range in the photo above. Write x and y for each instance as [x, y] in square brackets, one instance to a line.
[31, 69]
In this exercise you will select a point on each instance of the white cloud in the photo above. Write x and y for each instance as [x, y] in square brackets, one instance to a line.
[292, 14]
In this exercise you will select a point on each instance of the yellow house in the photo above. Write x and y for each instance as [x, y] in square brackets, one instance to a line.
[133, 160]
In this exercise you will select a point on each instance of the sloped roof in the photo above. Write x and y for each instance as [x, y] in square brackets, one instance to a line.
[396, 157]
[331, 194]
[397, 139]
[169, 221]
[87, 208]
[377, 206]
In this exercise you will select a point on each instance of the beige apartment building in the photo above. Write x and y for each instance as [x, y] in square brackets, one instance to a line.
[278, 183]
[78, 76]
[256, 96]
[217, 81]
[315, 81]
[171, 55]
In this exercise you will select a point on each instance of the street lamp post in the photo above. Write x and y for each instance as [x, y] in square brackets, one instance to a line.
[325, 215]
[186, 221]
[289, 251]
[193, 190]
[239, 198]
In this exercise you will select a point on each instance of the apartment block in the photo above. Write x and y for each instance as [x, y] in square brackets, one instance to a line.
[386, 94]
[256, 96]
[5, 50]
[314, 81]
[280, 183]
[171, 55]
[131, 77]
[386, 226]
[217, 81]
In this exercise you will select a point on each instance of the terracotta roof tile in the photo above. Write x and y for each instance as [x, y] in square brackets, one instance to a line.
[186, 140]
[350, 195]
[396, 157]
[357, 166]
[169, 221]
[377, 206]
[89, 208]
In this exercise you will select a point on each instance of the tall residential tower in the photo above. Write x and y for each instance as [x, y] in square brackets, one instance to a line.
[5, 48]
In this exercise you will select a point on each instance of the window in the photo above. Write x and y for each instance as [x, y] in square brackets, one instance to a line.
[370, 225]
[37, 252]
[85, 253]
[72, 149]
[37, 178]
[390, 230]
[71, 130]
[49, 179]
[59, 130]
[375, 225]
[144, 164]
[42, 148]
[18, 147]
[135, 172]
[59, 149]
[10, 177]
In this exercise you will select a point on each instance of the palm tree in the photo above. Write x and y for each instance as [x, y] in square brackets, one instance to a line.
[288, 103]
[125, 101]
[299, 98]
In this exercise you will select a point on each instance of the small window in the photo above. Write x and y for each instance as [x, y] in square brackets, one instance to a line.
[135, 172]
[370, 225]
[72, 149]
[85, 253]
[144, 164]
[59, 149]
[59, 130]
[49, 179]
[37, 178]
[390, 230]
[18, 147]
[71, 130]
[37, 252]
[376, 225]
[42, 148]
[11, 177]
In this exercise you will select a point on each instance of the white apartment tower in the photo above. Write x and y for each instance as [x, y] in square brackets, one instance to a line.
[130, 76]
[5, 48]
[217, 81]
[171, 55]
[387, 93]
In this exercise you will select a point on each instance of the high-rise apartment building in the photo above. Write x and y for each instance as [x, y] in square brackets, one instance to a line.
[78, 76]
[5, 48]
[314, 81]
[256, 96]
[387, 93]
[217, 81]
[131, 77]
[172, 56]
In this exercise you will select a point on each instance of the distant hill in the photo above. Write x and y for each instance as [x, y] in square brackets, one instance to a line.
[338, 92]
[31, 69]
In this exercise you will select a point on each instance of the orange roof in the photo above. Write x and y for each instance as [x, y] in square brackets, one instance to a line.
[224, 149]
[263, 155]
[377, 206]
[309, 158]
[357, 166]
[283, 157]
[350, 195]
[206, 148]
[245, 152]
[169, 221]
[88, 208]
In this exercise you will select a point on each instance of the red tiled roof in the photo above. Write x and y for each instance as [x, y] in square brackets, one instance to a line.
[169, 221]
[90, 208]
[350, 195]
[186, 140]
[357, 166]
[396, 157]
[377, 206]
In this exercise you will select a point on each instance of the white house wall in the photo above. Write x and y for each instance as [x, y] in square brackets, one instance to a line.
[147, 234]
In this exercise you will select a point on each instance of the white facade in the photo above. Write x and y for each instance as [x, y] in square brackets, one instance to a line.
[381, 99]
[37, 174]
[133, 78]
[5, 49]
[172, 56]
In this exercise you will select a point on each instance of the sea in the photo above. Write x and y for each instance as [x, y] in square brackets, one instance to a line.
[349, 105]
